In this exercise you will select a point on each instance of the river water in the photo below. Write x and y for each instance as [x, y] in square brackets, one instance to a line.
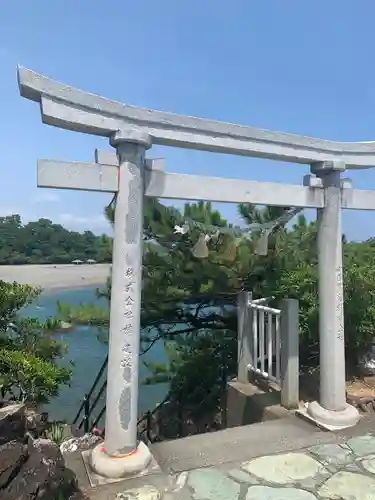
[87, 354]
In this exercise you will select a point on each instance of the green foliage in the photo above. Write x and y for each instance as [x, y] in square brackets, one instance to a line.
[189, 303]
[12, 298]
[173, 279]
[60, 496]
[56, 432]
[29, 378]
[42, 242]
[28, 353]
[86, 314]
[89, 314]
[34, 336]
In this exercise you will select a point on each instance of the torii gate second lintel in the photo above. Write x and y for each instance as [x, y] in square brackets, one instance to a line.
[102, 176]
[132, 131]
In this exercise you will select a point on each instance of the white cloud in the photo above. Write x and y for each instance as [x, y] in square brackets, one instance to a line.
[4, 211]
[46, 196]
[82, 223]
[96, 223]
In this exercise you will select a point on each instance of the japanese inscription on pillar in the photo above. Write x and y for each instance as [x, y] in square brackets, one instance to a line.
[339, 303]
[127, 329]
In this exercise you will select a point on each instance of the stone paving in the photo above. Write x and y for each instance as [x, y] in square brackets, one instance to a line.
[331, 471]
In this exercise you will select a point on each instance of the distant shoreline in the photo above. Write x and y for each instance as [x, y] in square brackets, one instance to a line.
[57, 276]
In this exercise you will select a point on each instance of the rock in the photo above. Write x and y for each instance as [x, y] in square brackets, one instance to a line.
[285, 468]
[332, 454]
[143, 493]
[42, 476]
[12, 423]
[362, 445]
[12, 456]
[369, 464]
[79, 495]
[212, 484]
[36, 423]
[363, 408]
[348, 486]
[65, 327]
[242, 476]
[366, 362]
[353, 399]
[180, 482]
[35, 471]
[69, 446]
[86, 442]
[267, 493]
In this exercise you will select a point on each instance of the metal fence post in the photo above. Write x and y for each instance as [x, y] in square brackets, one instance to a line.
[245, 337]
[224, 380]
[86, 417]
[289, 353]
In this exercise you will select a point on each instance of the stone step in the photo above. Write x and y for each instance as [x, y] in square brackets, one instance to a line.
[246, 442]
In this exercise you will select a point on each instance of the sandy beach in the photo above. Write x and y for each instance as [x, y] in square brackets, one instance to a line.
[51, 276]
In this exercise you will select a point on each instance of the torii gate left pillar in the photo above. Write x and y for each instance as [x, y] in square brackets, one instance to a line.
[124, 328]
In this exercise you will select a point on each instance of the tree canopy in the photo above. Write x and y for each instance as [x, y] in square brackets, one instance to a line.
[29, 371]
[43, 242]
[189, 303]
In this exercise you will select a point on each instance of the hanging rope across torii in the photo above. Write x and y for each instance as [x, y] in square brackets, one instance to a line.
[211, 232]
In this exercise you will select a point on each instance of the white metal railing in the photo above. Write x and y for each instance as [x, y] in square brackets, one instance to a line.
[266, 343]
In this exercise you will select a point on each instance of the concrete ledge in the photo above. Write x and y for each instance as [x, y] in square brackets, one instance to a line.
[248, 404]
[245, 443]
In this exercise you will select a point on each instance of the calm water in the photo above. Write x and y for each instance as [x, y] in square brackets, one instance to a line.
[88, 353]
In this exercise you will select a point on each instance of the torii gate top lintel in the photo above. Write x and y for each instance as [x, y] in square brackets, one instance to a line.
[74, 109]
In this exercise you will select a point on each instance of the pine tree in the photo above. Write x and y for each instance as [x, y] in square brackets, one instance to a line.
[188, 303]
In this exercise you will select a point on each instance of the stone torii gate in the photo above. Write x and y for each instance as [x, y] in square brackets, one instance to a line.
[131, 131]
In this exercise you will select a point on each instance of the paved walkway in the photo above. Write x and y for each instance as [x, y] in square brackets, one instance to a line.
[329, 471]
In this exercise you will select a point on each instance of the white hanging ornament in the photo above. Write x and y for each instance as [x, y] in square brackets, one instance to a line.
[231, 250]
[215, 236]
[200, 249]
[181, 229]
[261, 246]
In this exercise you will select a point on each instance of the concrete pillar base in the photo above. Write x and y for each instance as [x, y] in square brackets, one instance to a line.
[122, 466]
[329, 419]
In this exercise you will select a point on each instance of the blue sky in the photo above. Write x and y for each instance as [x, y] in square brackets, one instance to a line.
[289, 65]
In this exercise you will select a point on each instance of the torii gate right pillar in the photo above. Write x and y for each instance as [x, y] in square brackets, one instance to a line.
[333, 411]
